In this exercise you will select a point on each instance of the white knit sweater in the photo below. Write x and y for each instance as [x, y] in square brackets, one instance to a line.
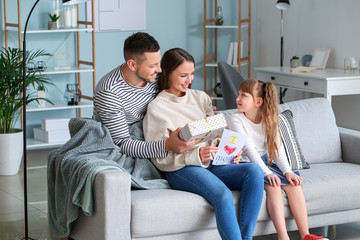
[168, 112]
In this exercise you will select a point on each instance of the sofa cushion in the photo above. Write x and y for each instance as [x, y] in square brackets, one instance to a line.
[165, 211]
[316, 129]
[289, 139]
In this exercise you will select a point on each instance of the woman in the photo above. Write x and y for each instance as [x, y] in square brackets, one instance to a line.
[176, 105]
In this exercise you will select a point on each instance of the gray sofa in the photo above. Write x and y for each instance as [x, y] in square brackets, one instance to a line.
[331, 188]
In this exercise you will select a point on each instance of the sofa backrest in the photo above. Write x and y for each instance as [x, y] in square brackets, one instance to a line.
[316, 129]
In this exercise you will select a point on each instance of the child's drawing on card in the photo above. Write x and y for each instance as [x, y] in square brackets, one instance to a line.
[230, 145]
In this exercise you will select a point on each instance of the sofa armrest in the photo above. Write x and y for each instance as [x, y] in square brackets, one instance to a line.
[350, 143]
[112, 206]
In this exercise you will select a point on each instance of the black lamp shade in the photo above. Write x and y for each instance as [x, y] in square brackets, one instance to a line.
[70, 2]
[283, 4]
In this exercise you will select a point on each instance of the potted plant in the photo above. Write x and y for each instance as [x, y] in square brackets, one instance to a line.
[52, 25]
[295, 62]
[11, 92]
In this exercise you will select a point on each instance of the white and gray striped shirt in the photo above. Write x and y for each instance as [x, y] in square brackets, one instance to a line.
[118, 104]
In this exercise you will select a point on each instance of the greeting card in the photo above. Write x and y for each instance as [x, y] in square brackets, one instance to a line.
[230, 145]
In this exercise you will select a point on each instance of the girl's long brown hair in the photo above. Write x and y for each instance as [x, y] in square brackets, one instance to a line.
[269, 109]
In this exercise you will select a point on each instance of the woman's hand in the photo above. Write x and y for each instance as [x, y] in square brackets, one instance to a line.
[238, 157]
[293, 178]
[205, 153]
[274, 180]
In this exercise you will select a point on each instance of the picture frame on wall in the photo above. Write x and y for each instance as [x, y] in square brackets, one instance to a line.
[320, 58]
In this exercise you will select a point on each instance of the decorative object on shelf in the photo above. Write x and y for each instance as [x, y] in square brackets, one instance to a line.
[282, 5]
[70, 12]
[294, 62]
[72, 94]
[219, 19]
[320, 58]
[52, 25]
[306, 60]
[351, 63]
[41, 66]
[41, 95]
[218, 90]
[31, 66]
[67, 16]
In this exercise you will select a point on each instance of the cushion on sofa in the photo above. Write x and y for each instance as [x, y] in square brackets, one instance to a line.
[290, 142]
[316, 129]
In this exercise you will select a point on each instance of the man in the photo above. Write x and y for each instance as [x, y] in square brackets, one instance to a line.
[122, 95]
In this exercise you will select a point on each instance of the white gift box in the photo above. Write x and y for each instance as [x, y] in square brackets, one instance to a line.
[206, 128]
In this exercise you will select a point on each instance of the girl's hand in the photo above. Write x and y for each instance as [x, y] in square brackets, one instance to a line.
[293, 179]
[238, 157]
[205, 153]
[274, 180]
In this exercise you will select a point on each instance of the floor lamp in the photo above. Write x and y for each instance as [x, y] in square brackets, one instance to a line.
[282, 5]
[24, 124]
[26, 220]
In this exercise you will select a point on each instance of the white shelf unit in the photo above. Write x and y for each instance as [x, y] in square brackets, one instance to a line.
[80, 67]
[211, 61]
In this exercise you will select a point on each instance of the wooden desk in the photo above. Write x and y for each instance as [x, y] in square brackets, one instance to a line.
[329, 82]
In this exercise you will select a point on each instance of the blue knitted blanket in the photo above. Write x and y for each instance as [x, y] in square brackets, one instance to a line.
[74, 165]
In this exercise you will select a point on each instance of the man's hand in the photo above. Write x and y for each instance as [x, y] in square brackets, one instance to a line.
[205, 153]
[175, 144]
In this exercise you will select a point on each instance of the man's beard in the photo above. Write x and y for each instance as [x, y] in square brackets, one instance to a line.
[141, 78]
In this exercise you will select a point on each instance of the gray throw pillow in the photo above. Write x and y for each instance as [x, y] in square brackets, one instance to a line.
[292, 148]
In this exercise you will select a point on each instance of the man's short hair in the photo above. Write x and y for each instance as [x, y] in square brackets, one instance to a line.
[139, 43]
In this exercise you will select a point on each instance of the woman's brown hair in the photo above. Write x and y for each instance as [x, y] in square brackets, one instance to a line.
[170, 61]
[269, 109]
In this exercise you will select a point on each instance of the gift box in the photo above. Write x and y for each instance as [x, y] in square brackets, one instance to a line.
[205, 129]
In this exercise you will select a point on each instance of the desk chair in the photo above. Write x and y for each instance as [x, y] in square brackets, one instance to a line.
[230, 81]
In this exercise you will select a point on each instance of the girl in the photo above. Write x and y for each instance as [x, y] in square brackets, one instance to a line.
[192, 171]
[257, 117]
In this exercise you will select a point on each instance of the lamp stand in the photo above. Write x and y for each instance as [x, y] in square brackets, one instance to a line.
[282, 92]
[24, 127]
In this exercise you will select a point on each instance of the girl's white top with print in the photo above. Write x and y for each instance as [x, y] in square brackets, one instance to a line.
[256, 144]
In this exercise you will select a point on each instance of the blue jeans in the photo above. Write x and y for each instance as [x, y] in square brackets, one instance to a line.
[215, 184]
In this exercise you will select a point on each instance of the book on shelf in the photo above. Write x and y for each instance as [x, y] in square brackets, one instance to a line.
[235, 56]
[55, 123]
[233, 53]
[230, 53]
[51, 136]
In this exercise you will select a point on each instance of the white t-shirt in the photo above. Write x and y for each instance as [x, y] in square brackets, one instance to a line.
[256, 145]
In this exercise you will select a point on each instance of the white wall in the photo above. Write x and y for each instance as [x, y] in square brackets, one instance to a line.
[310, 24]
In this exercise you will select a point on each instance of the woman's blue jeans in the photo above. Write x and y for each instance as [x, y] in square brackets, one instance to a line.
[215, 184]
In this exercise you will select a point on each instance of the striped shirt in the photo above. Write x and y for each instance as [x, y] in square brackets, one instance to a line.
[117, 104]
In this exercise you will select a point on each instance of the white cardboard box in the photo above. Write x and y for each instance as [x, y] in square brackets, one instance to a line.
[52, 136]
[49, 124]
